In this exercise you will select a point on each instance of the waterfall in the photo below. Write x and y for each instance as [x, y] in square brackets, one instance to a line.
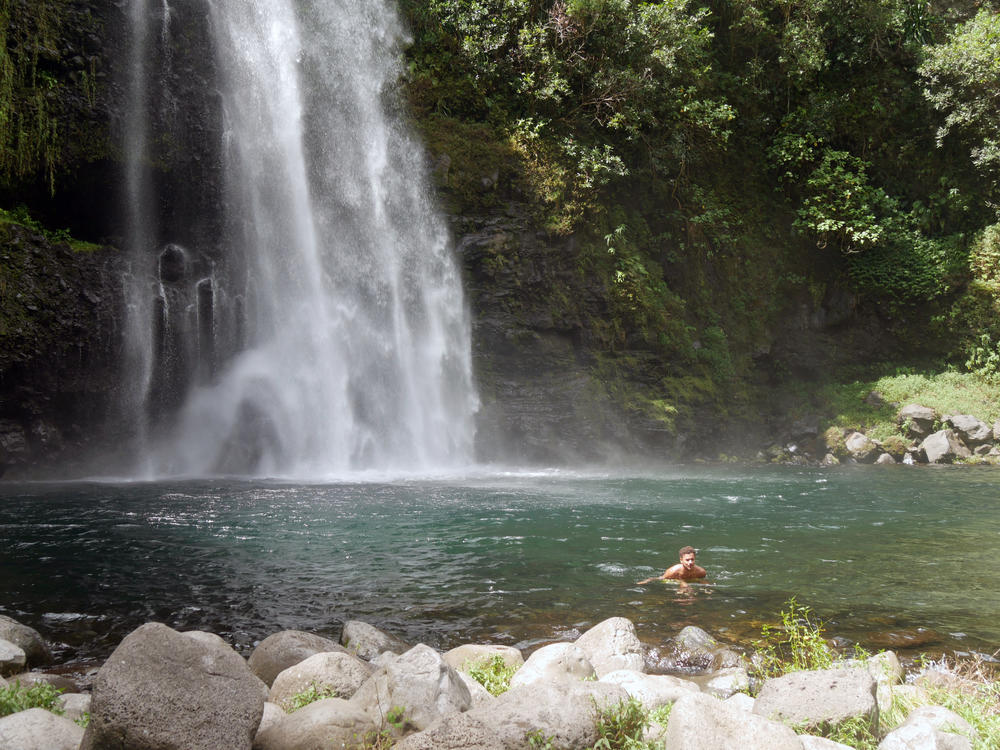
[328, 333]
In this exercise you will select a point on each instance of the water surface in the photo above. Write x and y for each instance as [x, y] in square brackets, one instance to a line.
[514, 557]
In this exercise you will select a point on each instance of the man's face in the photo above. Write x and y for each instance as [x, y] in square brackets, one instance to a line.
[687, 560]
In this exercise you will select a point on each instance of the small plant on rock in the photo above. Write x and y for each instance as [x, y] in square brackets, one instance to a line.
[494, 674]
[311, 694]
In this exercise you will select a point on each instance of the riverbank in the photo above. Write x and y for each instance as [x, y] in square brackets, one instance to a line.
[369, 689]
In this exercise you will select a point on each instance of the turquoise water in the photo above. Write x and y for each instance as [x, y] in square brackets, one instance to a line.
[511, 557]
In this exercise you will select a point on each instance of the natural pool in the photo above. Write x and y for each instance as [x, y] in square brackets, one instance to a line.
[514, 557]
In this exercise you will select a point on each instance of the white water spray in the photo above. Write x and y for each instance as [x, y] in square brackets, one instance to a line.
[338, 297]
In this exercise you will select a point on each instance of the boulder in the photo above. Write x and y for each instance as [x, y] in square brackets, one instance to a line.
[861, 448]
[652, 690]
[479, 694]
[693, 649]
[563, 710]
[922, 735]
[611, 645]
[161, 689]
[742, 701]
[810, 742]
[279, 651]
[335, 672]
[367, 641]
[557, 661]
[699, 720]
[327, 723]
[830, 460]
[461, 657]
[272, 715]
[28, 639]
[972, 431]
[943, 447]
[38, 729]
[727, 682]
[996, 431]
[817, 698]
[885, 459]
[74, 705]
[418, 681]
[917, 421]
[462, 732]
[12, 658]
[941, 719]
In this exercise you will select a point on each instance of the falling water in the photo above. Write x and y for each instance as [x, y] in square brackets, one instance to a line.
[330, 335]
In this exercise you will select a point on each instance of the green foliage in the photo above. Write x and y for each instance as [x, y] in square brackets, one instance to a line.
[796, 644]
[494, 674]
[21, 215]
[311, 694]
[620, 726]
[538, 740]
[386, 738]
[16, 697]
[963, 81]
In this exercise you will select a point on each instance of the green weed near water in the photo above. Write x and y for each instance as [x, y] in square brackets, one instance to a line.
[14, 698]
[796, 644]
[493, 674]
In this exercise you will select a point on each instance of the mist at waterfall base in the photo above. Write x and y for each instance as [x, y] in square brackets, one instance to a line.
[518, 558]
[316, 327]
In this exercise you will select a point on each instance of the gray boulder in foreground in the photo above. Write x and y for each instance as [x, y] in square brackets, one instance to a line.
[611, 645]
[700, 721]
[825, 697]
[651, 690]
[943, 447]
[36, 650]
[38, 729]
[335, 672]
[564, 710]
[327, 723]
[367, 642]
[164, 690]
[861, 448]
[279, 651]
[554, 662]
[419, 682]
[461, 732]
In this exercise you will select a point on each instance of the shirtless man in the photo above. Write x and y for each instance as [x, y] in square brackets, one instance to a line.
[685, 570]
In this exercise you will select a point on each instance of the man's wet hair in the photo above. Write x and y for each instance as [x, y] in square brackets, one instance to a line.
[686, 550]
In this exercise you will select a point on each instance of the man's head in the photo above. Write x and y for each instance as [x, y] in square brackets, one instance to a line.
[686, 556]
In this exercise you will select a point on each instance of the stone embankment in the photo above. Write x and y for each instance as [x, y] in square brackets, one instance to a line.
[166, 690]
[925, 437]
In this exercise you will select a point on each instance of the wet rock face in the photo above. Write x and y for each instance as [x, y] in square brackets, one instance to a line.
[59, 348]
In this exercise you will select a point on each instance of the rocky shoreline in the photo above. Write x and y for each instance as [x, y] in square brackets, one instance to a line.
[926, 437]
[162, 690]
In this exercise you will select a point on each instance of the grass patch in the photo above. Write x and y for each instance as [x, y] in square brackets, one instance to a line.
[311, 694]
[975, 697]
[16, 697]
[843, 405]
[494, 674]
